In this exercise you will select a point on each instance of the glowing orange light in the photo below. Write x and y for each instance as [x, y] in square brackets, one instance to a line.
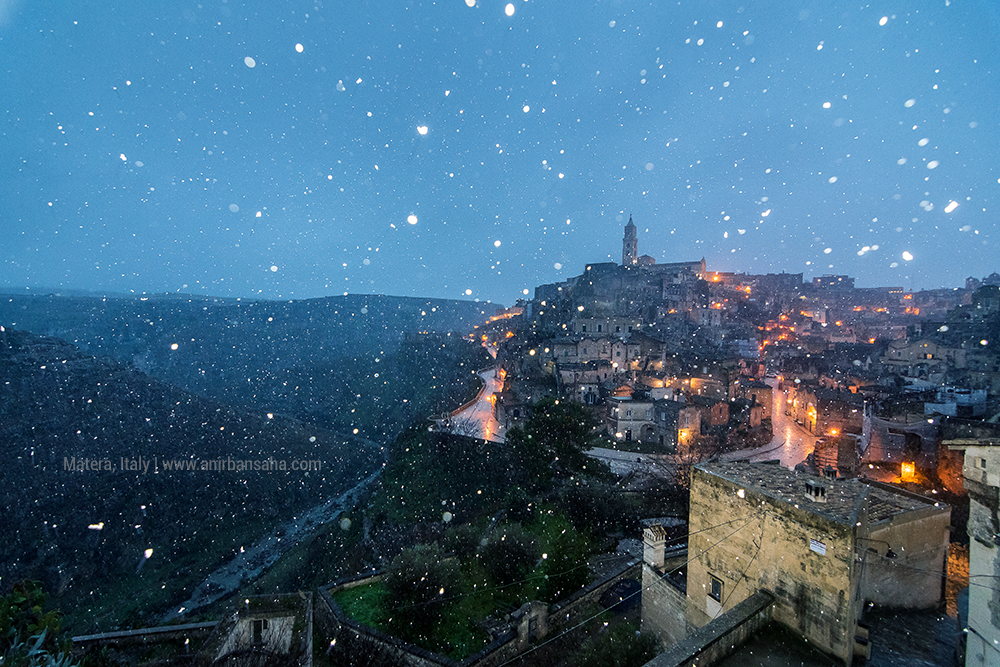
[908, 471]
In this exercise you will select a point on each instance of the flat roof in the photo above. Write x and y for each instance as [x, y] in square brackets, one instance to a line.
[842, 495]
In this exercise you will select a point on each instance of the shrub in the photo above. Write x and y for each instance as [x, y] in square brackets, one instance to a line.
[419, 581]
[509, 555]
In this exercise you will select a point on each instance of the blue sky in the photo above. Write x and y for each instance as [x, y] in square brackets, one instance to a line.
[304, 149]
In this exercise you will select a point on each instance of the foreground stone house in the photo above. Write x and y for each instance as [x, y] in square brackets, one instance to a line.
[819, 548]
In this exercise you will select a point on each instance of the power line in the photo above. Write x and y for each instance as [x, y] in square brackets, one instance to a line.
[534, 577]
[760, 543]
[628, 597]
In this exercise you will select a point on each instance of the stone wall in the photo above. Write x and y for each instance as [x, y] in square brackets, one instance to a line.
[574, 608]
[722, 636]
[664, 608]
[334, 624]
[914, 577]
[186, 637]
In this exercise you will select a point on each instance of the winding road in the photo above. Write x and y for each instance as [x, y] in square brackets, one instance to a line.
[476, 418]
[791, 443]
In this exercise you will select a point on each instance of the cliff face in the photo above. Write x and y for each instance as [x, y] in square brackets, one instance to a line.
[86, 489]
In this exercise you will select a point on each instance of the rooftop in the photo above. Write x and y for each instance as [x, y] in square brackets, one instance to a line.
[842, 495]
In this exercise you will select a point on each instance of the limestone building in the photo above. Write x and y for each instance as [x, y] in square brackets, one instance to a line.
[637, 288]
[822, 548]
[982, 480]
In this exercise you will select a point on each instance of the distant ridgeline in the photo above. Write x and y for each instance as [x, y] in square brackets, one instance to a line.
[92, 507]
[372, 363]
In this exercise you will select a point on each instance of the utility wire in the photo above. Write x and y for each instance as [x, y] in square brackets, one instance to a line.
[534, 577]
[760, 543]
[628, 597]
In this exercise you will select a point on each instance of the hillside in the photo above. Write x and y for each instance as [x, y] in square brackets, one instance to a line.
[85, 533]
[372, 363]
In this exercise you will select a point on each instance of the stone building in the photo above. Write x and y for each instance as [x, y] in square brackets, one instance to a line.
[263, 630]
[630, 245]
[629, 419]
[821, 547]
[981, 472]
[923, 358]
[605, 326]
[761, 394]
[677, 425]
[636, 287]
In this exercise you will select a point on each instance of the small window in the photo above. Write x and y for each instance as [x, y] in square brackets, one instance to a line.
[982, 463]
[715, 588]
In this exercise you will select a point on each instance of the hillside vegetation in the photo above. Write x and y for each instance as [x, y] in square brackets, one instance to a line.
[84, 531]
[374, 363]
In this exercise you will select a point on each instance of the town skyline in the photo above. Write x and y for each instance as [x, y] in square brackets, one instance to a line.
[526, 293]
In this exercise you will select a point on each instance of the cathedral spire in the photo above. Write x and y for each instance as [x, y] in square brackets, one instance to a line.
[630, 245]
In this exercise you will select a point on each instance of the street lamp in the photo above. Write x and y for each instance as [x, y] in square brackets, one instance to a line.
[889, 553]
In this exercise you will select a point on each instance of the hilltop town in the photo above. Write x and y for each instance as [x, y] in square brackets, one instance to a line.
[678, 359]
[664, 464]
[867, 397]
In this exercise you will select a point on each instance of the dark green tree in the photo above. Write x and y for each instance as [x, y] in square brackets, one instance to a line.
[553, 442]
[600, 508]
[419, 581]
[621, 645]
[509, 555]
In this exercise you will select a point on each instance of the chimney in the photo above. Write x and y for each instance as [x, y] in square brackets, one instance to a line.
[816, 490]
[654, 540]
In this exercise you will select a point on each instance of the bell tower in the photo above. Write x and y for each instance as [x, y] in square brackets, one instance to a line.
[630, 245]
